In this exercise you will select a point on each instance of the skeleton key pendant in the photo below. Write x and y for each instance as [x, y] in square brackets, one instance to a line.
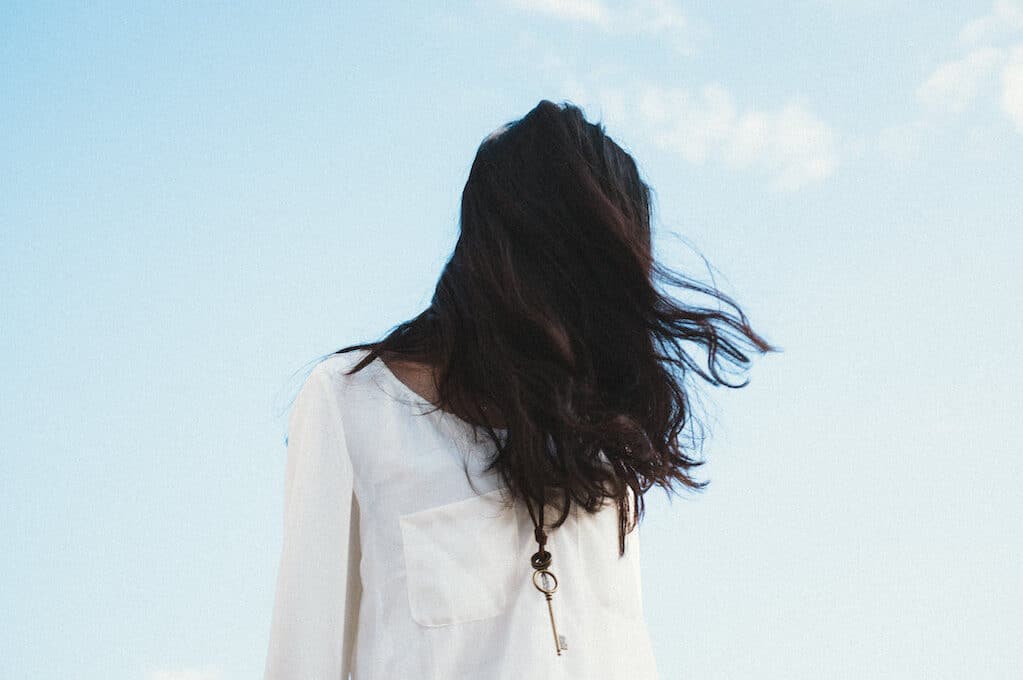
[550, 584]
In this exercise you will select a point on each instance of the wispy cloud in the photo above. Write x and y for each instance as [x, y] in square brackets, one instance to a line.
[790, 146]
[1012, 88]
[586, 11]
[985, 78]
[988, 74]
[955, 84]
[663, 19]
[1005, 18]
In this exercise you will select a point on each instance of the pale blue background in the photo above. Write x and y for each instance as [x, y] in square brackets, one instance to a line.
[197, 200]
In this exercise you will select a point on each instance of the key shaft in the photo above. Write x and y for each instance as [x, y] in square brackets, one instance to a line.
[546, 576]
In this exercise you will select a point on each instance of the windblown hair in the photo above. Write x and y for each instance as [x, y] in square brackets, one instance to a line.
[546, 318]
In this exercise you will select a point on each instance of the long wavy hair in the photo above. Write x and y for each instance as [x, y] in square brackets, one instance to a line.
[547, 318]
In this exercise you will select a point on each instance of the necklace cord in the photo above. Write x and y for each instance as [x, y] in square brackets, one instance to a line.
[541, 559]
[539, 533]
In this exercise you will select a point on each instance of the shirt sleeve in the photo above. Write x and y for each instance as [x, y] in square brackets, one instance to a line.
[312, 632]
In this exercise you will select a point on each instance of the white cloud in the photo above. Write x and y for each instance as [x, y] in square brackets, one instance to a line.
[656, 16]
[956, 83]
[690, 126]
[587, 11]
[791, 146]
[661, 18]
[185, 675]
[1005, 17]
[987, 75]
[1012, 88]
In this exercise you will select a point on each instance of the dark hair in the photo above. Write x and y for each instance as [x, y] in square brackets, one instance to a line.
[547, 314]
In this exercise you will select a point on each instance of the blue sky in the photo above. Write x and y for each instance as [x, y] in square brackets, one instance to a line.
[196, 201]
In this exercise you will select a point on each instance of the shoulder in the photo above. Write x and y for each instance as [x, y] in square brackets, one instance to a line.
[332, 374]
[336, 366]
[326, 391]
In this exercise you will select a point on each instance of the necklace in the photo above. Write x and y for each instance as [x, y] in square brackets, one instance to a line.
[543, 578]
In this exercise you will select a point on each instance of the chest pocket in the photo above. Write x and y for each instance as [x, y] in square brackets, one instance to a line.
[462, 559]
[614, 581]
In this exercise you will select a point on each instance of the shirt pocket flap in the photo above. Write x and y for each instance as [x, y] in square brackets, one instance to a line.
[461, 559]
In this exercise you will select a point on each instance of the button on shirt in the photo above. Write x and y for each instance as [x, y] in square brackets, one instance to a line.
[394, 567]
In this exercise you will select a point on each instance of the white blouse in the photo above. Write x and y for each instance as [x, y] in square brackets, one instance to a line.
[394, 568]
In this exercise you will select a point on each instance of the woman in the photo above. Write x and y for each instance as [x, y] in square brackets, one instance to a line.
[462, 496]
